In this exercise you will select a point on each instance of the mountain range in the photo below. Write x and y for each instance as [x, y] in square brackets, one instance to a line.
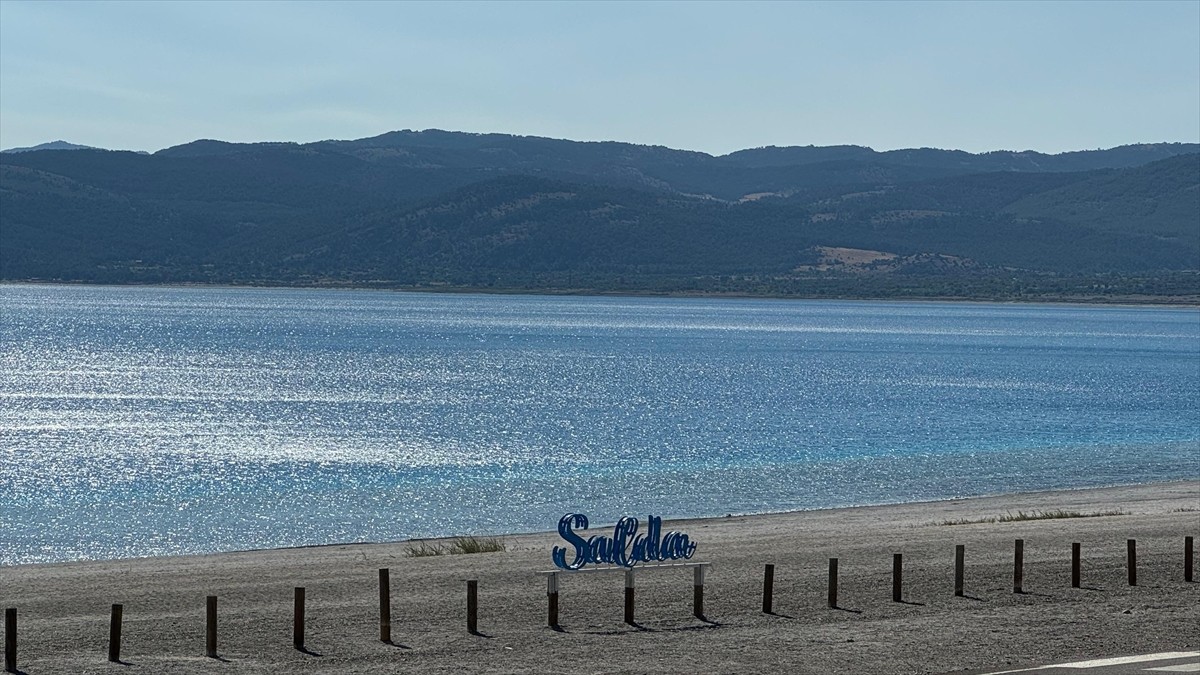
[439, 209]
[52, 145]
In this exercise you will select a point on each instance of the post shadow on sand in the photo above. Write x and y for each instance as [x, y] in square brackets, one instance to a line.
[911, 602]
[305, 650]
[712, 625]
[634, 628]
[479, 633]
[629, 629]
[397, 645]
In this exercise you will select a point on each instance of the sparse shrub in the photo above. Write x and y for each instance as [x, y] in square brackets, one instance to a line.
[458, 546]
[1051, 515]
[424, 550]
[1020, 516]
[477, 545]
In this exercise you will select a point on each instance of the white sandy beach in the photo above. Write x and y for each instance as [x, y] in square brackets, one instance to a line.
[64, 608]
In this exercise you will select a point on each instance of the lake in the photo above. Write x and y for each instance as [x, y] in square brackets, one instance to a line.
[151, 421]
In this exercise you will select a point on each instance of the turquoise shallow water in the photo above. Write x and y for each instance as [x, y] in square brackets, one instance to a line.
[149, 421]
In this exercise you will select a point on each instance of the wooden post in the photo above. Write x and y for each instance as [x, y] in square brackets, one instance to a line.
[298, 619]
[768, 588]
[1075, 564]
[629, 597]
[897, 577]
[698, 592]
[960, 554]
[472, 606]
[552, 599]
[10, 640]
[1188, 558]
[833, 582]
[1131, 560]
[385, 605]
[114, 634]
[1019, 566]
[210, 627]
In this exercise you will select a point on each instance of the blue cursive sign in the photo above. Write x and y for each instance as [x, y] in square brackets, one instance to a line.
[625, 547]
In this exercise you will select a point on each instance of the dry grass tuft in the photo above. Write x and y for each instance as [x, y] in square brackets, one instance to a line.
[458, 546]
[1021, 516]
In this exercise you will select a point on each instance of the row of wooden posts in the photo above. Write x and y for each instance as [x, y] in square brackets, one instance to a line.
[552, 590]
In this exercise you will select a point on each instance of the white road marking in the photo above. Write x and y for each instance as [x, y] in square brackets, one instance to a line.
[1121, 660]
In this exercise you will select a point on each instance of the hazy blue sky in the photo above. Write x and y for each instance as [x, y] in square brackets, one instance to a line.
[704, 76]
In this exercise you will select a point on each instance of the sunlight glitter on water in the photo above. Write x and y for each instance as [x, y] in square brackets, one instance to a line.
[142, 421]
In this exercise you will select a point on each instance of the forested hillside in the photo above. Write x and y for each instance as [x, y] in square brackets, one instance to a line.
[439, 209]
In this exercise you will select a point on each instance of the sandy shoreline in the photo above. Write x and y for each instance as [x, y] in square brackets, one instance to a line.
[1151, 302]
[63, 607]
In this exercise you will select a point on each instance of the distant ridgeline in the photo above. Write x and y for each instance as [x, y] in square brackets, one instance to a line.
[443, 210]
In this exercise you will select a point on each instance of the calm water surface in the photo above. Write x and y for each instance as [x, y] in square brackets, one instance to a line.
[145, 421]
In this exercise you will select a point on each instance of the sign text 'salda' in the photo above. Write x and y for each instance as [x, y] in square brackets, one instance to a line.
[625, 547]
